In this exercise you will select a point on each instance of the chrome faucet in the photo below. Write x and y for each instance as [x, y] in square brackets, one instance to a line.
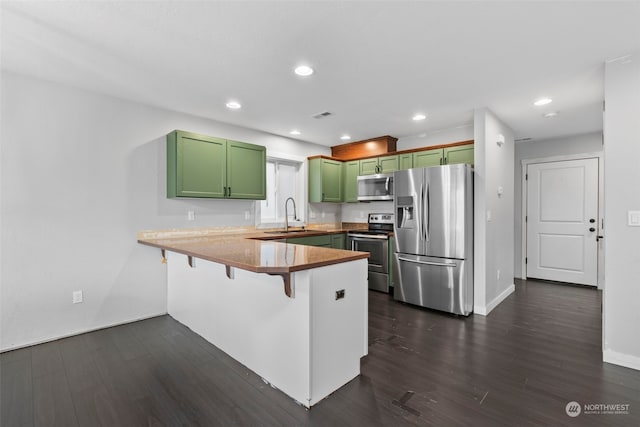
[286, 213]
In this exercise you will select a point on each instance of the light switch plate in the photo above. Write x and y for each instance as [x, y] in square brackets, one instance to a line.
[634, 218]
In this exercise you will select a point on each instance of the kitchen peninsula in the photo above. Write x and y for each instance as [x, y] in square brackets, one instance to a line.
[296, 315]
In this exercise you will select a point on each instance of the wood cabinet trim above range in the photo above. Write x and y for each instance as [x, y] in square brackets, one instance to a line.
[410, 151]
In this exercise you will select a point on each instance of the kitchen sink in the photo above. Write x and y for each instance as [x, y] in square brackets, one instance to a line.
[289, 232]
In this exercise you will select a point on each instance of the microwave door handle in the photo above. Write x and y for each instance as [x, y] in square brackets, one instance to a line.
[386, 185]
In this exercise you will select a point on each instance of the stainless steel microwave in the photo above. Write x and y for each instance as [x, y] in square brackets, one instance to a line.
[375, 187]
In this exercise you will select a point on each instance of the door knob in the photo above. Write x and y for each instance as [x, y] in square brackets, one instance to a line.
[592, 229]
[592, 220]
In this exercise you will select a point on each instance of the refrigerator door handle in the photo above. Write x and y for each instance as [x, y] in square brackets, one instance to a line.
[441, 264]
[428, 216]
[423, 234]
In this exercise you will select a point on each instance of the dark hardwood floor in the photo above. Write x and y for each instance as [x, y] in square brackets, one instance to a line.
[519, 366]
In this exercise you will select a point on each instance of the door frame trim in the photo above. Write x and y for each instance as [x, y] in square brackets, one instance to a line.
[524, 165]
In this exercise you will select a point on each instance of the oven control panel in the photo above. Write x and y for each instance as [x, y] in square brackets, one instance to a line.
[380, 218]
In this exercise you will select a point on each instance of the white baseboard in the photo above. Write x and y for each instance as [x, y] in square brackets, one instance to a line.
[485, 310]
[79, 332]
[626, 360]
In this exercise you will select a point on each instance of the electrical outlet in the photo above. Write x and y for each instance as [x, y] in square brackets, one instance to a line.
[191, 216]
[247, 214]
[312, 214]
[323, 214]
[77, 297]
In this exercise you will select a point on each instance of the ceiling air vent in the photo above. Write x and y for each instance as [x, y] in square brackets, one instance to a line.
[523, 139]
[321, 115]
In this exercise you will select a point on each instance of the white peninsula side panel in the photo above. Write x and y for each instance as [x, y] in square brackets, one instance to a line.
[307, 346]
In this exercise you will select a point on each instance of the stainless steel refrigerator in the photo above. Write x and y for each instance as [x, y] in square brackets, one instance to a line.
[434, 237]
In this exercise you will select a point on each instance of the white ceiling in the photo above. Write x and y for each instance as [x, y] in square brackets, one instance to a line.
[377, 63]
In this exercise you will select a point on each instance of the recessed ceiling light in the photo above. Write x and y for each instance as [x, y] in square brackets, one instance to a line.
[542, 101]
[419, 117]
[303, 70]
[295, 132]
[345, 137]
[550, 114]
[233, 105]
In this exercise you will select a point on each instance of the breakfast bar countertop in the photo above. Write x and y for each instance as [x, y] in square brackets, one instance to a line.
[254, 251]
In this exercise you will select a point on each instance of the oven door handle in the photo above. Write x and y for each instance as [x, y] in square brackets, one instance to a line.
[353, 248]
[440, 264]
[368, 236]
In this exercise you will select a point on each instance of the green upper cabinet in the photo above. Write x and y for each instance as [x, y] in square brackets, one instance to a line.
[458, 154]
[405, 161]
[369, 166]
[246, 171]
[423, 159]
[385, 164]
[208, 167]
[351, 170]
[388, 164]
[325, 180]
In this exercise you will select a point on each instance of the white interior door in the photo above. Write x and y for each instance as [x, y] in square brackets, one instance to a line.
[562, 221]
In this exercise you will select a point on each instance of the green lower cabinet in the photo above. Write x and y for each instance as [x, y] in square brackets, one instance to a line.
[322, 241]
[423, 159]
[338, 241]
[405, 161]
[351, 170]
[325, 180]
[208, 167]
[458, 154]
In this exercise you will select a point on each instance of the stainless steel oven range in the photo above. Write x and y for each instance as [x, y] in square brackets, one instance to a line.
[375, 240]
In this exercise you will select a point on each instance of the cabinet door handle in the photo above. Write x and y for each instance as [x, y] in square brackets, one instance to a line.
[229, 195]
[224, 191]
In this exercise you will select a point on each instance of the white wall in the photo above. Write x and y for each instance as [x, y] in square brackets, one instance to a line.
[438, 137]
[81, 174]
[576, 144]
[621, 311]
[493, 221]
